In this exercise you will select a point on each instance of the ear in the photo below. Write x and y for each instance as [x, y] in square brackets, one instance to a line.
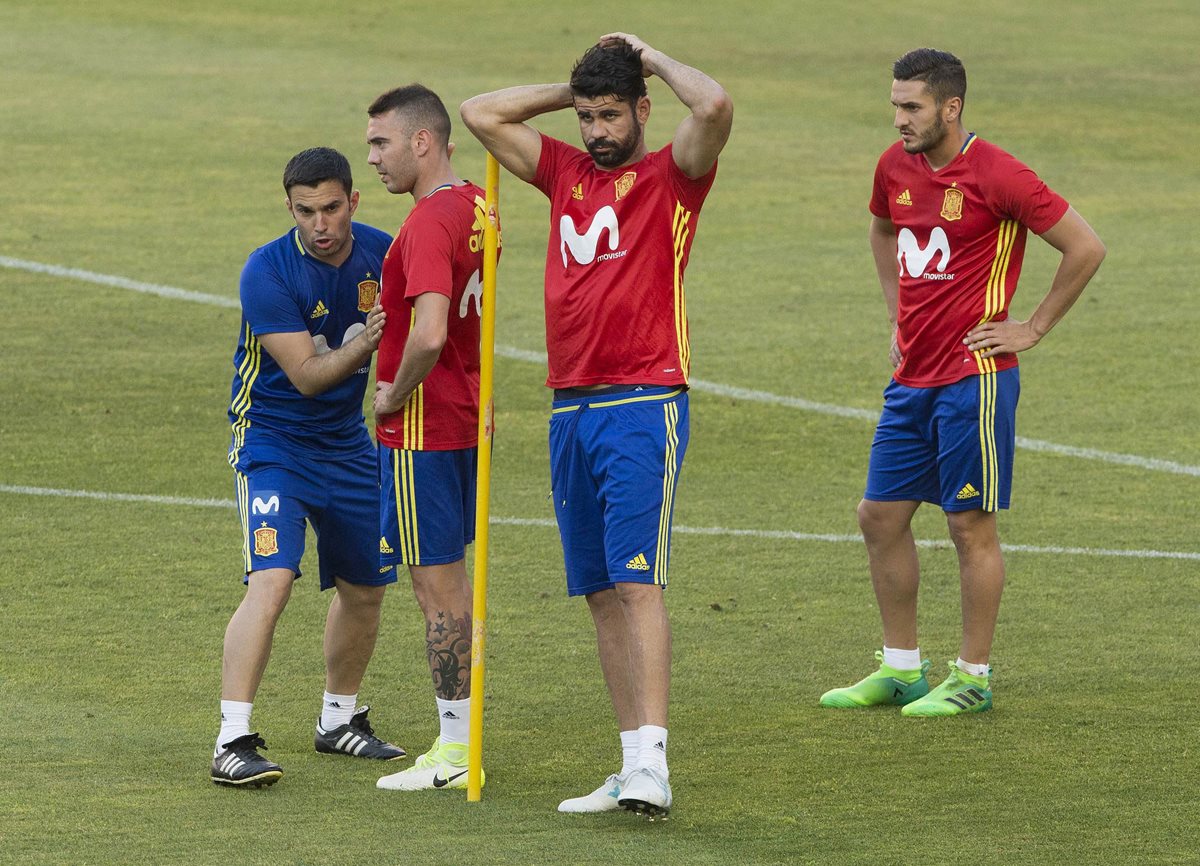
[288, 201]
[353, 202]
[421, 141]
[642, 109]
[951, 109]
[450, 148]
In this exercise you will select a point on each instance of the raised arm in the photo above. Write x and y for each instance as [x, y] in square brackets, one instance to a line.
[883, 248]
[497, 119]
[701, 136]
[1082, 252]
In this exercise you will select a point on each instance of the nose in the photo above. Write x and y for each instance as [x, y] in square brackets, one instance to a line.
[372, 157]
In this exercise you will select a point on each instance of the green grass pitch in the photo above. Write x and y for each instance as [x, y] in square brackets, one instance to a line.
[146, 140]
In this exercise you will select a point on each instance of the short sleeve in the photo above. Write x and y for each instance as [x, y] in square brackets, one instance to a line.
[691, 190]
[879, 195]
[268, 306]
[1018, 193]
[427, 250]
[550, 163]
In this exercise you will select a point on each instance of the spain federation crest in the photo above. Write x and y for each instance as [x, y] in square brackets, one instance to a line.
[952, 205]
[624, 184]
[368, 291]
[266, 541]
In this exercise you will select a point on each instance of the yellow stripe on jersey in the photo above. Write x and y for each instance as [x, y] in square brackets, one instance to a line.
[989, 495]
[248, 373]
[662, 552]
[403, 483]
[680, 234]
[299, 244]
[993, 303]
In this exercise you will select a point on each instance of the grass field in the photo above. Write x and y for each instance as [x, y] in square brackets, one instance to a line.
[145, 141]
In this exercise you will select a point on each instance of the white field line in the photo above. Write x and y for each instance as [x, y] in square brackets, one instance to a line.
[513, 353]
[766, 534]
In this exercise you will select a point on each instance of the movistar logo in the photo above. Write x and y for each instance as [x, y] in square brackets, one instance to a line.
[583, 247]
[914, 258]
[472, 291]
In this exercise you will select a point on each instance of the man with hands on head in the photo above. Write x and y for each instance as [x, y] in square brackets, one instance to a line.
[622, 221]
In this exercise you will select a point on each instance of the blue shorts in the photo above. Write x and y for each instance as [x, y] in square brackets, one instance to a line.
[614, 465]
[426, 505]
[278, 492]
[950, 445]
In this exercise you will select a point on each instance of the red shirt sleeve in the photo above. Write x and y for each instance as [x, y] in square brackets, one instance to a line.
[691, 190]
[1016, 192]
[879, 194]
[549, 163]
[428, 252]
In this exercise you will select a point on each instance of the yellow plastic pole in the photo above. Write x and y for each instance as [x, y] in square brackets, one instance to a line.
[483, 486]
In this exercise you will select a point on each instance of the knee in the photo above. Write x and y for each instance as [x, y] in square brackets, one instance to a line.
[875, 521]
[973, 531]
[269, 590]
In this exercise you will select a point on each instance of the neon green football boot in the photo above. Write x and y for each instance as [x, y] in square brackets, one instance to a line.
[887, 686]
[960, 693]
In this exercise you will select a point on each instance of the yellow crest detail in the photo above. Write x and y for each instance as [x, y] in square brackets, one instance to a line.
[265, 541]
[577, 192]
[952, 205]
[368, 291]
[624, 184]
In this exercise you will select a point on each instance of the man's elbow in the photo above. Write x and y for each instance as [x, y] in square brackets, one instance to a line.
[716, 110]
[473, 113]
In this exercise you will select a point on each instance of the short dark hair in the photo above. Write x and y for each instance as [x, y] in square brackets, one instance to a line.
[316, 165]
[419, 105]
[611, 70]
[942, 72]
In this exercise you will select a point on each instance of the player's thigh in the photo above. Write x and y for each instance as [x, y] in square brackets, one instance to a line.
[637, 454]
[273, 504]
[576, 497]
[903, 464]
[976, 423]
[426, 505]
[347, 546]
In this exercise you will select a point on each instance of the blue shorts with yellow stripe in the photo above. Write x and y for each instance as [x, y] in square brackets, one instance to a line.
[615, 457]
[426, 505]
[950, 445]
[278, 492]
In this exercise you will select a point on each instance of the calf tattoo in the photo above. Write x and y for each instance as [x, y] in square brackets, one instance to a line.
[448, 647]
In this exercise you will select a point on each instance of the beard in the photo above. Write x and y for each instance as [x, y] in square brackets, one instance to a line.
[618, 152]
[931, 138]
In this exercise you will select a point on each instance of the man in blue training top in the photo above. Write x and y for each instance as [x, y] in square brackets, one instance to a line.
[301, 451]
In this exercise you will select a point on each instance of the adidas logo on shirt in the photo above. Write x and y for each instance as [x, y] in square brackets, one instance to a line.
[968, 492]
[638, 563]
[319, 311]
[904, 198]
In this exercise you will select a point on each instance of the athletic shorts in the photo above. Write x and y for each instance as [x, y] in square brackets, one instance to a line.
[614, 465]
[339, 498]
[426, 505]
[951, 445]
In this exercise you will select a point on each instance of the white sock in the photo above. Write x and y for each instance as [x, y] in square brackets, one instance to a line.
[630, 741]
[972, 668]
[455, 718]
[652, 748]
[235, 722]
[337, 710]
[902, 659]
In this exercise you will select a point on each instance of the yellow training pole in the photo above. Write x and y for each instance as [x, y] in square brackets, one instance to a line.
[483, 486]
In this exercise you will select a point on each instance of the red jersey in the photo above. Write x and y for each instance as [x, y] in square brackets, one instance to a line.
[439, 249]
[619, 244]
[960, 240]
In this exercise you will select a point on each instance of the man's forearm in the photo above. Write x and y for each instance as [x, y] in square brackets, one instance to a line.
[325, 370]
[700, 93]
[515, 104]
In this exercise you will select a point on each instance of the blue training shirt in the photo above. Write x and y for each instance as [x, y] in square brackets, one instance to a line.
[284, 289]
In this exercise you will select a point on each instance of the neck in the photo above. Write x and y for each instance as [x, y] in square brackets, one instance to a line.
[941, 156]
[429, 181]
